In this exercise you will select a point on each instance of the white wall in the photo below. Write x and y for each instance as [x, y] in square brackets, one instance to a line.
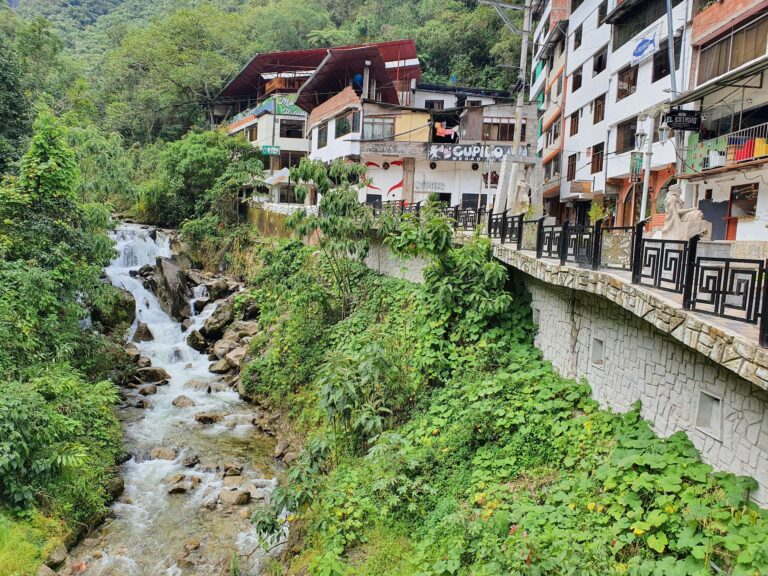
[347, 145]
[265, 137]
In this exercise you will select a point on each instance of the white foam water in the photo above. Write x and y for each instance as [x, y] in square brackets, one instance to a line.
[148, 529]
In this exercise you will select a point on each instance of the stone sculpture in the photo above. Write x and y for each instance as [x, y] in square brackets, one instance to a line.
[682, 223]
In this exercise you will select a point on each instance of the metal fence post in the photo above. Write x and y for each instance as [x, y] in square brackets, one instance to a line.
[490, 222]
[540, 237]
[764, 312]
[418, 208]
[597, 244]
[503, 226]
[456, 216]
[637, 253]
[565, 239]
[690, 272]
[520, 226]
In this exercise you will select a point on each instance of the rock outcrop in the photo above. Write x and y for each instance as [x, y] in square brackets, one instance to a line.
[172, 291]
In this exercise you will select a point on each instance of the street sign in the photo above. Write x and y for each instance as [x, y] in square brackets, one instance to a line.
[270, 150]
[683, 120]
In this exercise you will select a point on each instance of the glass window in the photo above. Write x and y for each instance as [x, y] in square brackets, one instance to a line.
[252, 133]
[322, 136]
[744, 200]
[575, 4]
[378, 128]
[600, 61]
[292, 128]
[602, 12]
[434, 104]
[598, 109]
[625, 135]
[571, 168]
[627, 82]
[597, 157]
[500, 130]
[576, 79]
[661, 59]
[577, 38]
[474, 103]
[733, 50]
[575, 123]
[637, 19]
[348, 122]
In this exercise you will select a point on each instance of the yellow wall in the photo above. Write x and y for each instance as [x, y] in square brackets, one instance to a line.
[412, 127]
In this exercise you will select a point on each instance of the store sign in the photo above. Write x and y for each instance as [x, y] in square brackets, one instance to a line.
[646, 46]
[473, 153]
[683, 120]
[636, 166]
[270, 150]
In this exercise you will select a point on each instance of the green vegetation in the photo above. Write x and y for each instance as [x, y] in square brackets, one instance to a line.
[438, 442]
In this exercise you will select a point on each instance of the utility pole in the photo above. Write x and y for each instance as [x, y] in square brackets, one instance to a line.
[500, 8]
[675, 93]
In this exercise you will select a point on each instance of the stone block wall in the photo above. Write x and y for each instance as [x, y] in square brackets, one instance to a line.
[640, 362]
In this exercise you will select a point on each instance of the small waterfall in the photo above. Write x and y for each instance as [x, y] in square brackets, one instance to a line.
[147, 534]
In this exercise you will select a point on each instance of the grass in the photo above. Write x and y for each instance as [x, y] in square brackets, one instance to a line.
[25, 543]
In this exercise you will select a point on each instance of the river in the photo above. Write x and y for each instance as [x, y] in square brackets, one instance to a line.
[151, 532]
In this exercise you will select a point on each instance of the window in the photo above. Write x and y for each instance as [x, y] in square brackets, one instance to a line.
[661, 59]
[474, 103]
[744, 200]
[575, 4]
[559, 84]
[600, 61]
[553, 133]
[598, 109]
[575, 123]
[346, 123]
[576, 79]
[434, 104]
[602, 12]
[735, 49]
[552, 168]
[709, 415]
[597, 157]
[637, 19]
[252, 133]
[577, 38]
[627, 83]
[291, 128]
[289, 159]
[500, 129]
[378, 128]
[322, 136]
[571, 168]
[625, 135]
[598, 352]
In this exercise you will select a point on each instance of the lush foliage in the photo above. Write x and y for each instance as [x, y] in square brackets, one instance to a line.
[440, 443]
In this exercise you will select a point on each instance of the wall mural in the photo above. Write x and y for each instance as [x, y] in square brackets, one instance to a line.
[385, 178]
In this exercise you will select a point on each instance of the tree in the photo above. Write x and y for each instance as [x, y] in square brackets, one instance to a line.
[342, 224]
[14, 122]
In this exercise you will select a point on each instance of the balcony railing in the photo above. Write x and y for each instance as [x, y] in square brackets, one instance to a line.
[729, 150]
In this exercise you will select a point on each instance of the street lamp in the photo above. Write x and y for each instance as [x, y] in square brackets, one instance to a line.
[640, 137]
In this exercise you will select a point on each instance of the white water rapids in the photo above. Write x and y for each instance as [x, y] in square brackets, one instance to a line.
[147, 532]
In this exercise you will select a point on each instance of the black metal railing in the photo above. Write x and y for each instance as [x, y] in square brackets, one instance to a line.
[732, 288]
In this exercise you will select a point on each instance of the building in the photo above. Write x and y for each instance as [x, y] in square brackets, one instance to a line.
[415, 139]
[726, 163]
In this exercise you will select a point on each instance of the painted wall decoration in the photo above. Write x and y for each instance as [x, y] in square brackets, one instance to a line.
[385, 178]
[472, 153]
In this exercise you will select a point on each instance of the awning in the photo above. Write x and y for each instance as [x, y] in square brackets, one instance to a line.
[746, 71]
[282, 176]
[621, 10]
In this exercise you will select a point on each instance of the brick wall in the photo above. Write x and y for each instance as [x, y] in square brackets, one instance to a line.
[329, 108]
[721, 16]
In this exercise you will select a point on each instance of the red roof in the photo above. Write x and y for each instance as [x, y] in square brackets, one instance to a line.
[399, 58]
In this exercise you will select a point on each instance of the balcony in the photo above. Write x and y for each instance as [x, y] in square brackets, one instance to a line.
[727, 151]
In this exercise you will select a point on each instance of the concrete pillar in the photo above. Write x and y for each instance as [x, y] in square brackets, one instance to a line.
[409, 176]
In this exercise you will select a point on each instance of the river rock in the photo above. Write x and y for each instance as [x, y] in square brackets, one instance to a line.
[185, 324]
[234, 497]
[143, 333]
[223, 347]
[281, 448]
[220, 367]
[183, 402]
[208, 417]
[221, 318]
[206, 385]
[195, 277]
[143, 362]
[290, 457]
[121, 311]
[201, 303]
[45, 571]
[246, 328]
[115, 487]
[57, 557]
[146, 271]
[133, 352]
[148, 390]
[172, 291]
[232, 481]
[236, 358]
[153, 374]
[180, 488]
[192, 544]
[191, 461]
[162, 453]
[197, 341]
[232, 469]
[219, 288]
[257, 494]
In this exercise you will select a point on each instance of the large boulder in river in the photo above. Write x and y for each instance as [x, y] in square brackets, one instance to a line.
[143, 333]
[119, 311]
[153, 374]
[236, 358]
[197, 341]
[222, 317]
[234, 497]
[223, 347]
[172, 290]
